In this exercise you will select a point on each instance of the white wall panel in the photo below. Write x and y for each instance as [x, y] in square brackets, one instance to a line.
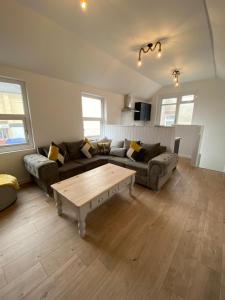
[146, 134]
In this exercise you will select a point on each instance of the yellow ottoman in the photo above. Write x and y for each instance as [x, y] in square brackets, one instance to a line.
[8, 187]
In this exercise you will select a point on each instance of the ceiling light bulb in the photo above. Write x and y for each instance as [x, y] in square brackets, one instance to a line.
[139, 63]
[159, 54]
[175, 79]
[83, 4]
[177, 84]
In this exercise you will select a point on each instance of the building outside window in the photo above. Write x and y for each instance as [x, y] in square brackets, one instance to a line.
[15, 125]
[177, 110]
[93, 115]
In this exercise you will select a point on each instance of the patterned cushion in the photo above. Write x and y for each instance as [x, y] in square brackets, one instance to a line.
[128, 142]
[134, 151]
[57, 154]
[88, 149]
[103, 147]
[85, 149]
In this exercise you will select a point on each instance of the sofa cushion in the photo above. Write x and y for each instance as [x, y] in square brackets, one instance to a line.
[86, 150]
[57, 154]
[91, 163]
[151, 150]
[135, 152]
[73, 149]
[70, 169]
[128, 142]
[119, 161]
[103, 147]
[162, 149]
[140, 167]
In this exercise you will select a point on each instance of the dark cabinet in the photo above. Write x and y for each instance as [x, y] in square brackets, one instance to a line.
[142, 111]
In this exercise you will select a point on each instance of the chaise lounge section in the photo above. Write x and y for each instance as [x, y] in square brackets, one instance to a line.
[152, 174]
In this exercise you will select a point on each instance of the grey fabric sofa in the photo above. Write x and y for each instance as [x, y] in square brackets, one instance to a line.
[45, 172]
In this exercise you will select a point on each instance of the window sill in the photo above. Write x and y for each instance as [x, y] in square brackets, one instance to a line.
[18, 148]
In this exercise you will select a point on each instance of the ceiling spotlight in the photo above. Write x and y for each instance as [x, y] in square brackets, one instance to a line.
[83, 4]
[150, 47]
[176, 74]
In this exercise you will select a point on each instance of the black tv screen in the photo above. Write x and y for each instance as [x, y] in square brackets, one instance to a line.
[143, 111]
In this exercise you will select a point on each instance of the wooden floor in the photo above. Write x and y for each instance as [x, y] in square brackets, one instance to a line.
[162, 245]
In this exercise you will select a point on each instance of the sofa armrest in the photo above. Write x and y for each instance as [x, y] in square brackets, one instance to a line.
[160, 169]
[163, 163]
[42, 168]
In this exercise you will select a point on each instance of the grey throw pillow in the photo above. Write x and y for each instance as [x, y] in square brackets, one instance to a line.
[151, 150]
[119, 152]
[117, 144]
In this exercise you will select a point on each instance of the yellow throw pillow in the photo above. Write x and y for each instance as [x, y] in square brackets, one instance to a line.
[53, 152]
[135, 146]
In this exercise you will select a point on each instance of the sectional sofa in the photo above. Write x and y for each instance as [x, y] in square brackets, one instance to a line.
[152, 174]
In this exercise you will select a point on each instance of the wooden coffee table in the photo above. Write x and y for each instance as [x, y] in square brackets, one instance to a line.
[91, 189]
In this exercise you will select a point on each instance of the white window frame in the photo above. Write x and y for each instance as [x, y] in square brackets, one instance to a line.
[25, 118]
[92, 96]
[178, 103]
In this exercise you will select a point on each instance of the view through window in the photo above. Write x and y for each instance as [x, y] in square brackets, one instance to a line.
[14, 117]
[92, 109]
[177, 110]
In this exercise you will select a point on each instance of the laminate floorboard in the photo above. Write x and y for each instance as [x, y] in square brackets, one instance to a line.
[161, 245]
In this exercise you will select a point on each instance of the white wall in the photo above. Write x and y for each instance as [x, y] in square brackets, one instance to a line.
[55, 107]
[191, 137]
[209, 111]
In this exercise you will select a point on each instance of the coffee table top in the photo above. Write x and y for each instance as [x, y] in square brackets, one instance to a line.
[82, 188]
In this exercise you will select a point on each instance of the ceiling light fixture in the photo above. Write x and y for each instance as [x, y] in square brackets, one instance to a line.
[83, 4]
[176, 74]
[151, 47]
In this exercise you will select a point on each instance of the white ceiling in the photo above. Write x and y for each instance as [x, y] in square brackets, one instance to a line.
[100, 47]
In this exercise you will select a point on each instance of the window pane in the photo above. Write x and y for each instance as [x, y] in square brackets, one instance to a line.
[91, 107]
[11, 98]
[92, 128]
[188, 98]
[168, 113]
[185, 113]
[12, 132]
[169, 101]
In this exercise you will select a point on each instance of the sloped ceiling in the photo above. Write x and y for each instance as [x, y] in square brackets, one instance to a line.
[100, 47]
[36, 43]
[216, 9]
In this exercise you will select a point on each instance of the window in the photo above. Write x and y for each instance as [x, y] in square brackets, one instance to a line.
[168, 111]
[177, 110]
[15, 130]
[92, 109]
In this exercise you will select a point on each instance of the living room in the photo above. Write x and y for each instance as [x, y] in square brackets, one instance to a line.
[112, 149]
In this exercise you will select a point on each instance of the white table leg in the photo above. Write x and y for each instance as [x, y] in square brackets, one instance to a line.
[82, 221]
[58, 203]
[82, 228]
[131, 186]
